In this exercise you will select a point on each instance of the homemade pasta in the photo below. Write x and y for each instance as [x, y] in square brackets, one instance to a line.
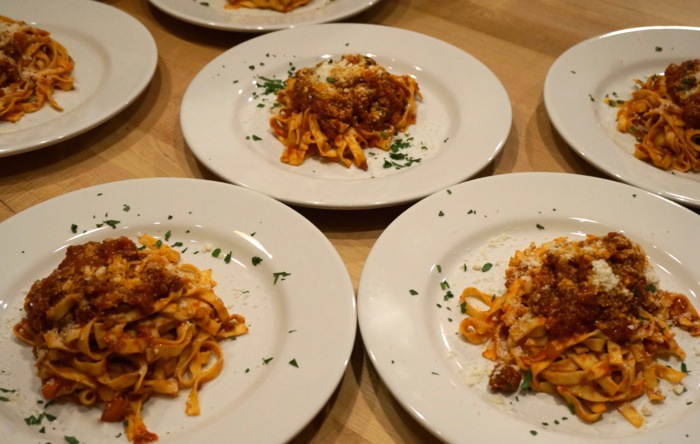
[277, 5]
[584, 320]
[339, 107]
[663, 114]
[114, 324]
[32, 66]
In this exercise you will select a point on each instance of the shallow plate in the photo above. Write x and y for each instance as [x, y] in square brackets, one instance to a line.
[301, 312]
[212, 14]
[578, 82]
[115, 58]
[460, 128]
[441, 244]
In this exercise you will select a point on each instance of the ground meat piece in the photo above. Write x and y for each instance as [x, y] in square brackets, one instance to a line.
[683, 85]
[504, 378]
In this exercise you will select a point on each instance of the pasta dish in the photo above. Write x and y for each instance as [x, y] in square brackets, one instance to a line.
[663, 114]
[583, 320]
[114, 324]
[277, 5]
[339, 107]
[32, 66]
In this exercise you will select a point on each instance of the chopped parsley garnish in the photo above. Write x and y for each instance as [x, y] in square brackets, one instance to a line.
[486, 267]
[111, 223]
[266, 360]
[293, 363]
[398, 159]
[256, 260]
[270, 86]
[527, 379]
[413, 292]
[280, 274]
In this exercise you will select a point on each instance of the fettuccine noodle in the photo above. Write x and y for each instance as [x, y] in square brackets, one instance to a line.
[277, 5]
[113, 325]
[339, 107]
[583, 320]
[32, 65]
[662, 118]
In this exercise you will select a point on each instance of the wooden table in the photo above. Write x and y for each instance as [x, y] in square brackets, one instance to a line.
[517, 39]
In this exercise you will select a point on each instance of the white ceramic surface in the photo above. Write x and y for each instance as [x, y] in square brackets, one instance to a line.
[579, 80]
[298, 303]
[463, 119]
[213, 14]
[115, 59]
[410, 324]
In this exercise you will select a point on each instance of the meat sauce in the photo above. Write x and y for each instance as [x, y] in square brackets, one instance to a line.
[356, 92]
[683, 85]
[571, 292]
[567, 292]
[101, 278]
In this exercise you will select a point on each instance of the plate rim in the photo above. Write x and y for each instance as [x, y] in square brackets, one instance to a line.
[372, 275]
[46, 13]
[343, 297]
[352, 193]
[260, 26]
[557, 72]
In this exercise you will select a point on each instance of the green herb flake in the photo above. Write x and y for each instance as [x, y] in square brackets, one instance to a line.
[294, 363]
[216, 252]
[267, 360]
[71, 440]
[413, 292]
[486, 267]
[280, 275]
[527, 379]
[270, 86]
[73, 228]
[111, 223]
[540, 227]
[126, 208]
[227, 258]
[256, 260]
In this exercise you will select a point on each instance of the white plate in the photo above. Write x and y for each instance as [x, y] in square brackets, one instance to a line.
[463, 119]
[308, 316]
[212, 14]
[413, 341]
[579, 80]
[115, 58]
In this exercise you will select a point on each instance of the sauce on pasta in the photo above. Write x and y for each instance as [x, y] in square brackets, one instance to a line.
[338, 108]
[663, 115]
[584, 320]
[276, 5]
[114, 324]
[32, 66]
